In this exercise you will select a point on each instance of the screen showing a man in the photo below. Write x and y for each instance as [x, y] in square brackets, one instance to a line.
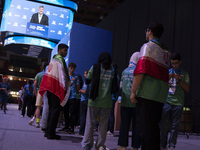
[40, 17]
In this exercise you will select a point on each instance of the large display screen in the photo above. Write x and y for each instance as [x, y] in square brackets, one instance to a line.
[37, 19]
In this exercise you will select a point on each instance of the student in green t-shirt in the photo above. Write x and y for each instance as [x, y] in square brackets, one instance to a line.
[103, 80]
[173, 107]
[128, 109]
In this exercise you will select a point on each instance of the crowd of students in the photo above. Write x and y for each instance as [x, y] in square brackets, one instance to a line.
[152, 96]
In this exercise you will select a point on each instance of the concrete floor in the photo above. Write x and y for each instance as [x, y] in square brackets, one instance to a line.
[17, 134]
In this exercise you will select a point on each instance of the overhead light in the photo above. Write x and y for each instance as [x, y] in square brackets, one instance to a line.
[20, 69]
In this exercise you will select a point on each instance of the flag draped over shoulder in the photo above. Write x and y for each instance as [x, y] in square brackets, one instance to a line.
[56, 80]
[154, 61]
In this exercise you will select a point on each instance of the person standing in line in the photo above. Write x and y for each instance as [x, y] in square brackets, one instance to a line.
[128, 109]
[115, 96]
[173, 108]
[4, 92]
[83, 105]
[20, 98]
[56, 83]
[28, 96]
[150, 86]
[39, 99]
[70, 108]
[103, 79]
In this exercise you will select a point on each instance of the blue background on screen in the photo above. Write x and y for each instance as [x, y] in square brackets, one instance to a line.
[60, 19]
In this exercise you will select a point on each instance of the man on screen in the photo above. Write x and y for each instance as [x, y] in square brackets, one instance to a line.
[39, 17]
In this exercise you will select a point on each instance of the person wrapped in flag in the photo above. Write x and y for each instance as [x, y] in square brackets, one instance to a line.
[56, 83]
[150, 86]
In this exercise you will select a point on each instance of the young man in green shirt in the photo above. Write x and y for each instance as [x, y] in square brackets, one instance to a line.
[172, 110]
[150, 86]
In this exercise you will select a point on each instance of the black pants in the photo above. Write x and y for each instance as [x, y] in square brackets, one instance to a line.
[149, 115]
[54, 111]
[73, 108]
[128, 114]
[66, 114]
[83, 113]
[112, 118]
[27, 102]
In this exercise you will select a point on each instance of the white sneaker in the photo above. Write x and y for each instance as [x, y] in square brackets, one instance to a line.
[101, 148]
[121, 148]
[109, 134]
[37, 125]
[171, 148]
[31, 122]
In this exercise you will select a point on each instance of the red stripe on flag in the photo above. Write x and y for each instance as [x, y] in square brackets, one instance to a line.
[153, 68]
[51, 84]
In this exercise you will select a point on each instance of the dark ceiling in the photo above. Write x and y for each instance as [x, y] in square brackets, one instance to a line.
[91, 12]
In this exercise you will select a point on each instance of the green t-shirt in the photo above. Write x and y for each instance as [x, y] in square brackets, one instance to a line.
[104, 98]
[127, 80]
[178, 97]
[38, 78]
[153, 89]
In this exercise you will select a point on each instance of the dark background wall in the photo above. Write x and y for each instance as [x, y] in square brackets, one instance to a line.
[181, 20]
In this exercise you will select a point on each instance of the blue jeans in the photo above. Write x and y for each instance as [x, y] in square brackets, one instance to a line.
[171, 114]
[45, 112]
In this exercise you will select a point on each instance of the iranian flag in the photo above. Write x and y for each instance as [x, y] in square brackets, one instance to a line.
[154, 61]
[56, 81]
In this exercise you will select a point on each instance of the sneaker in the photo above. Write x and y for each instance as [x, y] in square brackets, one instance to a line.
[31, 122]
[43, 129]
[101, 148]
[62, 130]
[164, 148]
[37, 125]
[54, 137]
[121, 148]
[69, 131]
[81, 135]
[110, 134]
[171, 148]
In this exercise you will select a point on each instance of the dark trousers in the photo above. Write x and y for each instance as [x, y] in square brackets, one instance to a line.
[73, 108]
[27, 102]
[128, 114]
[66, 114]
[112, 118]
[149, 115]
[83, 114]
[54, 111]
[20, 103]
[77, 122]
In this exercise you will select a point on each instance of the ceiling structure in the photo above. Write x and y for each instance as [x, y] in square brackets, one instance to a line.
[91, 12]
